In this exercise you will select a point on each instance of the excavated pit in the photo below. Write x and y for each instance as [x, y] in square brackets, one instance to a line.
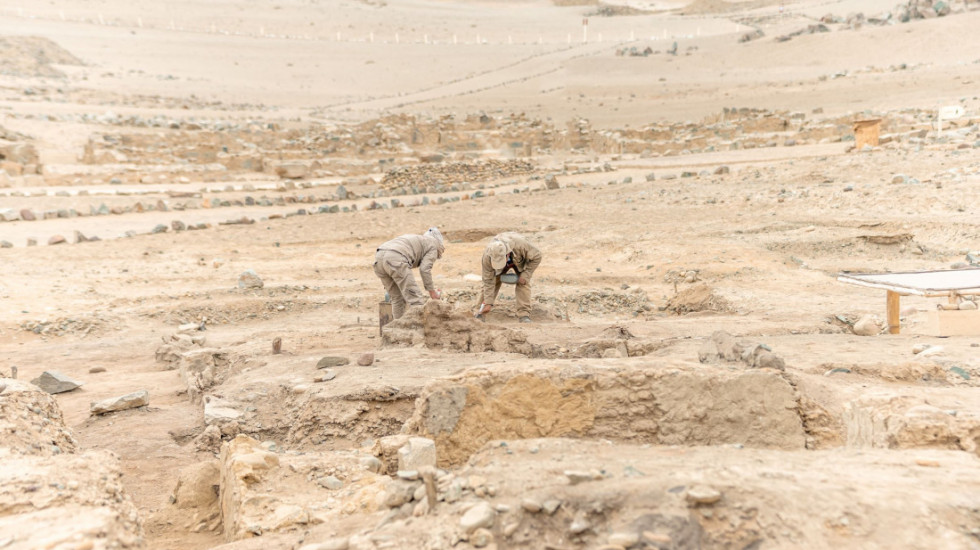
[647, 403]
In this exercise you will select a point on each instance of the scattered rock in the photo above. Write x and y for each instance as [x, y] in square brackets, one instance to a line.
[159, 228]
[57, 239]
[480, 515]
[327, 376]
[128, 401]
[249, 279]
[867, 326]
[55, 382]
[331, 361]
[700, 494]
[366, 359]
[96, 370]
[276, 345]
[418, 453]
[6, 244]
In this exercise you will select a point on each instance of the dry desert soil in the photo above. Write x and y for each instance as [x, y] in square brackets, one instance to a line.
[191, 194]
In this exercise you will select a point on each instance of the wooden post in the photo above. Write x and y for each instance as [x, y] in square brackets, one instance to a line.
[385, 316]
[893, 308]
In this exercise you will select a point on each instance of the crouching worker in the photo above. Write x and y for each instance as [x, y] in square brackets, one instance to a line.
[509, 252]
[393, 264]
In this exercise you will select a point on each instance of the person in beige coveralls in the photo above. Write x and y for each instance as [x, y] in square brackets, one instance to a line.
[393, 264]
[509, 252]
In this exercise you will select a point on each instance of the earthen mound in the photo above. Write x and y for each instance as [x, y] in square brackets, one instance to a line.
[32, 56]
[698, 298]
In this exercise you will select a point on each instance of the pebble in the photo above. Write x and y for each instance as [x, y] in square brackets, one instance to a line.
[371, 463]
[331, 483]
[329, 544]
[531, 505]
[960, 372]
[551, 506]
[700, 494]
[366, 359]
[867, 326]
[57, 239]
[481, 538]
[408, 475]
[576, 477]
[580, 524]
[6, 244]
[624, 539]
[480, 515]
[160, 228]
[327, 376]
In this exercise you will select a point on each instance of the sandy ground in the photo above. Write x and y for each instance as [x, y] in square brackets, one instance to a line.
[769, 237]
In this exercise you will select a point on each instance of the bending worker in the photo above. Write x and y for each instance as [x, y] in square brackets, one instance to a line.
[509, 252]
[393, 264]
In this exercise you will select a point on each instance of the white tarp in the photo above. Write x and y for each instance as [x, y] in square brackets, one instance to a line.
[922, 283]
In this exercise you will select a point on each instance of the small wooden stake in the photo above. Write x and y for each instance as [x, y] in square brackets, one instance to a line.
[893, 307]
[385, 316]
[277, 346]
[429, 478]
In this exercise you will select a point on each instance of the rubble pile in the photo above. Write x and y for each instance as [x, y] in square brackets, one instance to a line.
[46, 480]
[454, 172]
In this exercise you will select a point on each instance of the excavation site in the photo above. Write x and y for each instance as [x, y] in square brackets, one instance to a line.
[497, 274]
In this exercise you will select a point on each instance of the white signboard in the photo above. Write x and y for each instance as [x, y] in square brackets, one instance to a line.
[950, 112]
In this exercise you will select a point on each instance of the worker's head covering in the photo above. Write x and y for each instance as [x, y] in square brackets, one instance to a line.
[497, 250]
[435, 234]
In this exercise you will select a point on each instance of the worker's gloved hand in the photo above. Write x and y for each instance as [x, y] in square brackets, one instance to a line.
[484, 309]
[435, 294]
[522, 280]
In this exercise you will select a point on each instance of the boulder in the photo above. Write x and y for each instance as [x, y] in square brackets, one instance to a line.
[250, 279]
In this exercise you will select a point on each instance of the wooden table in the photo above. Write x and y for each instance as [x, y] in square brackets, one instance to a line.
[951, 283]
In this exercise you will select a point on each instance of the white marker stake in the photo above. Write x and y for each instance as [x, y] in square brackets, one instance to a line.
[454, 39]
[372, 37]
[426, 38]
[510, 40]
[139, 21]
[951, 112]
[338, 36]
[397, 41]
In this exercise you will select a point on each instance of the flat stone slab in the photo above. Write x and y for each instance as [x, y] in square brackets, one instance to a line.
[121, 403]
[53, 381]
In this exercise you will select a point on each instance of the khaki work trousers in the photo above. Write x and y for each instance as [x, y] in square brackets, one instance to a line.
[521, 292]
[398, 280]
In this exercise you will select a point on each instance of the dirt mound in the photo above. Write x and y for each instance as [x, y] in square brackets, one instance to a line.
[436, 325]
[42, 432]
[670, 406]
[51, 497]
[561, 493]
[32, 56]
[698, 298]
